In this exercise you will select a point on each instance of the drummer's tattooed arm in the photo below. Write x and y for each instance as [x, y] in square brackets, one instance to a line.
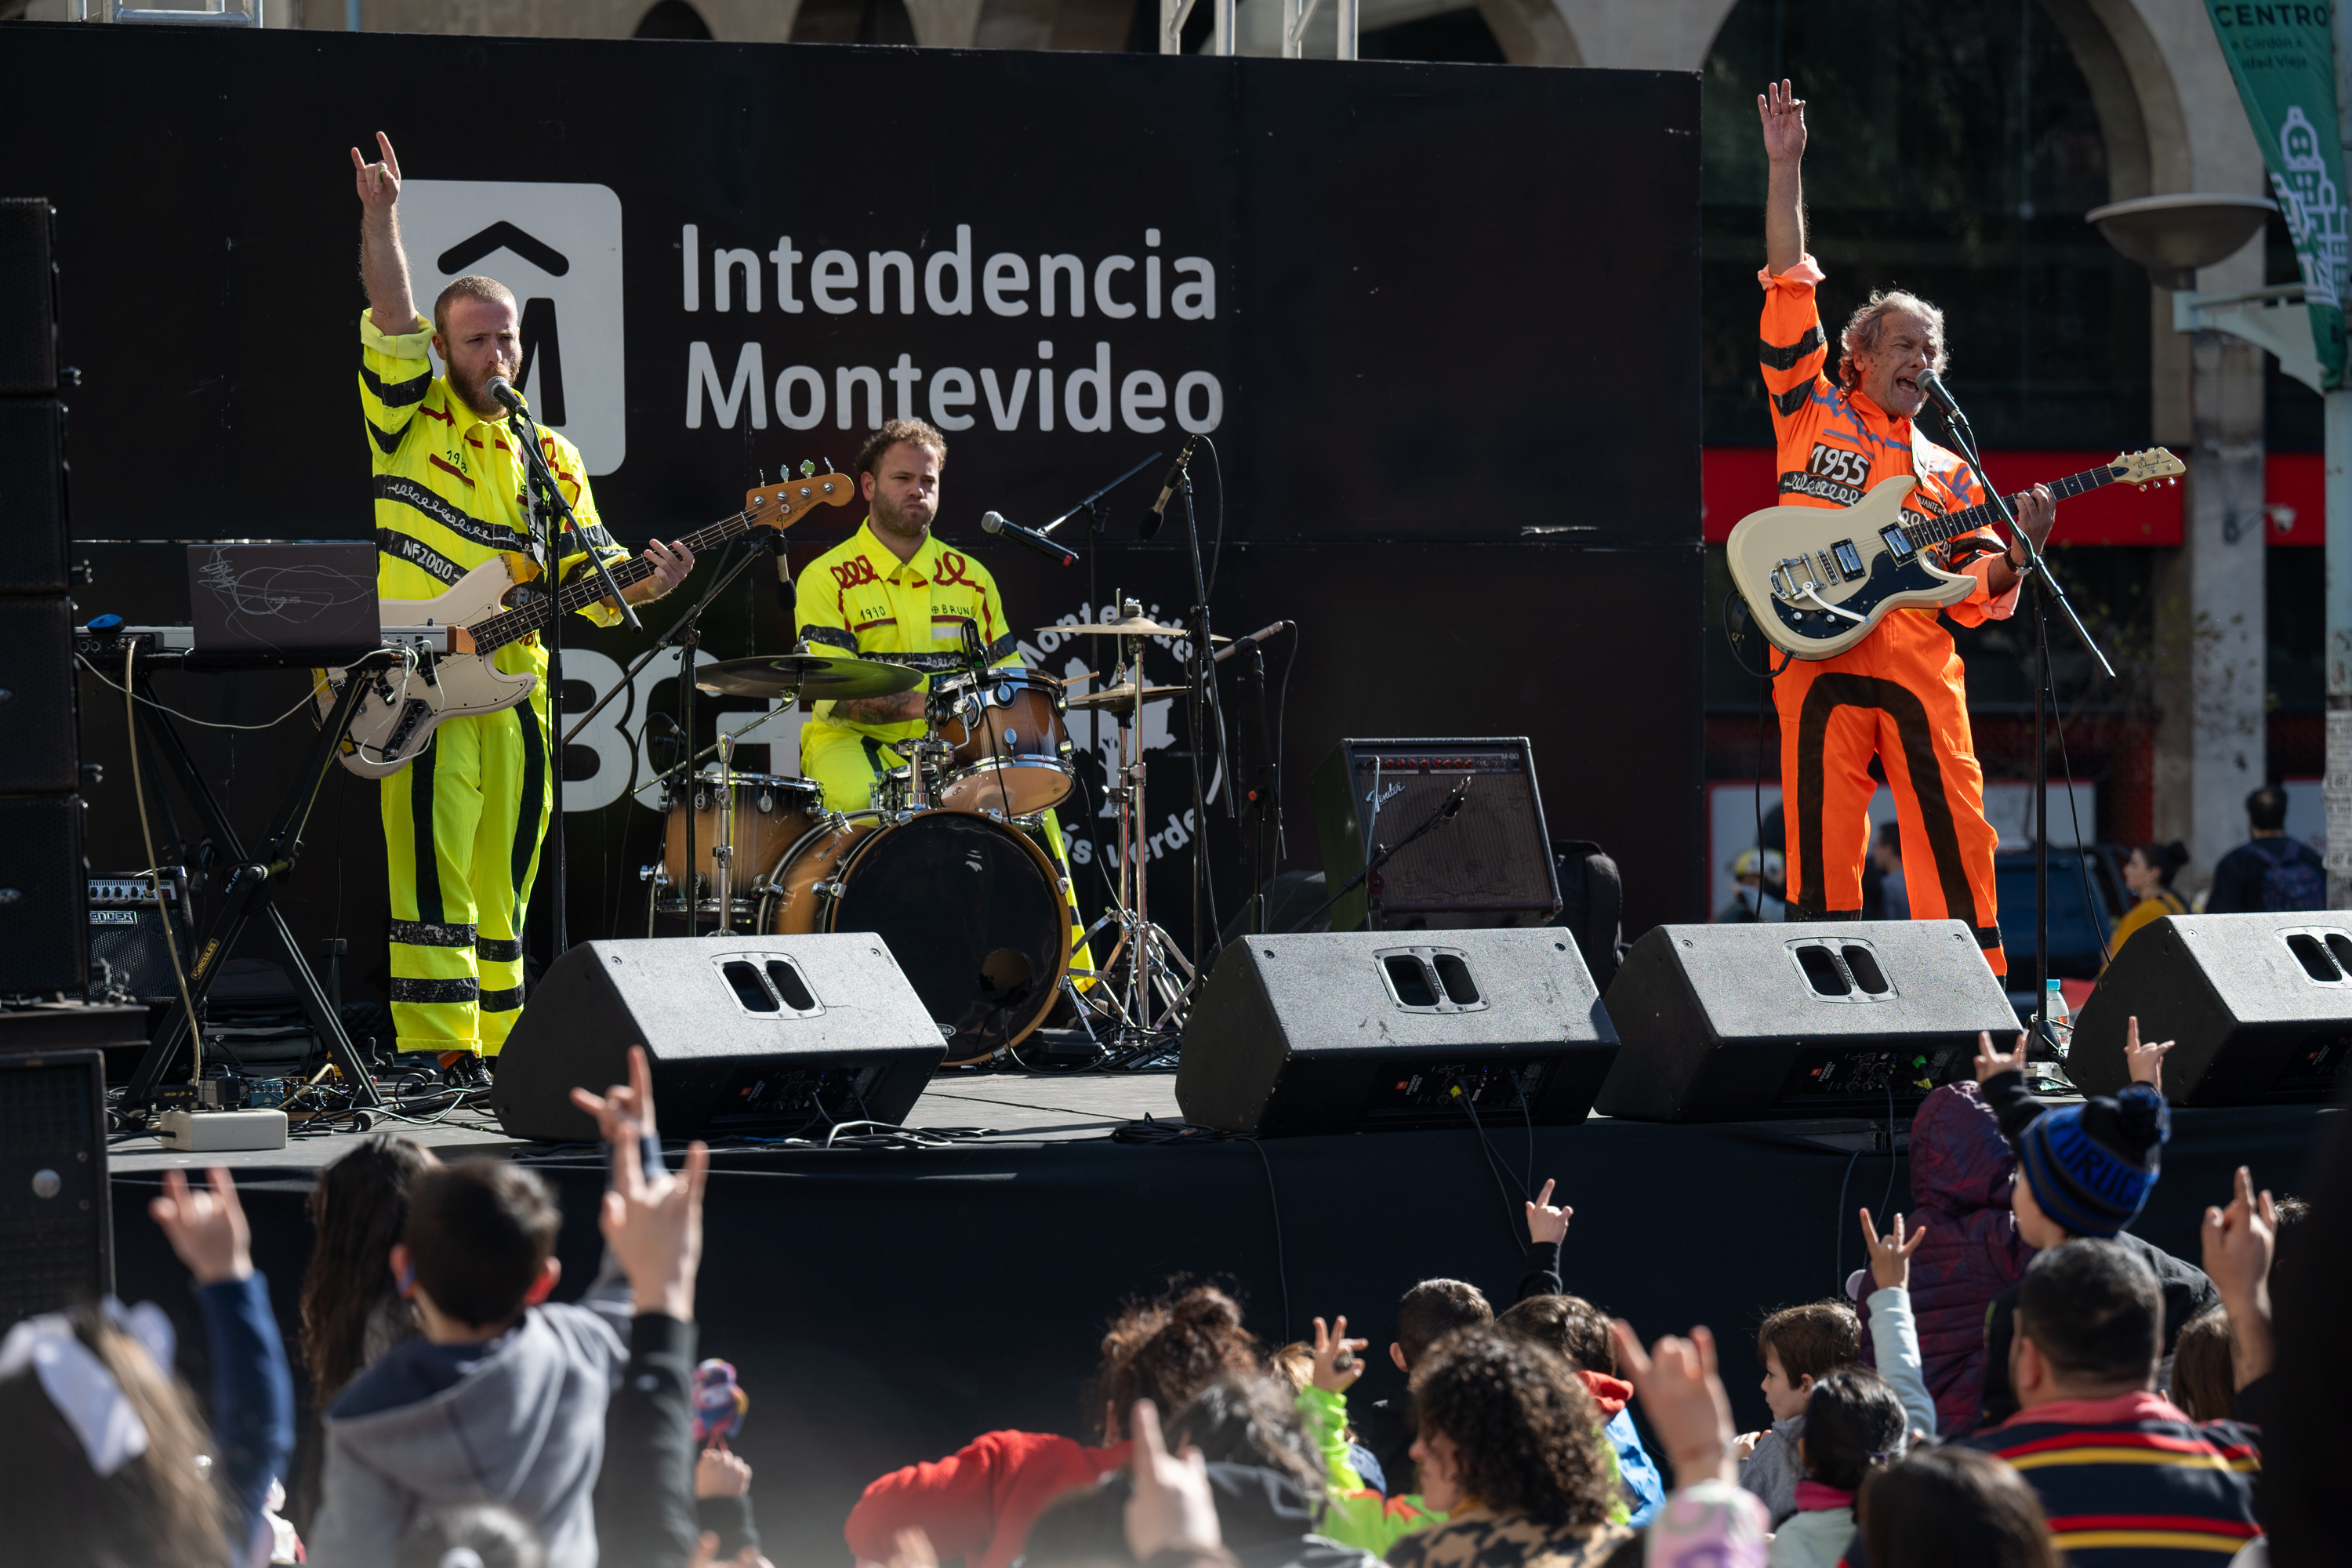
[899, 708]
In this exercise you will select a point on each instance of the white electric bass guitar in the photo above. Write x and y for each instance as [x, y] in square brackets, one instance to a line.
[395, 718]
[1818, 579]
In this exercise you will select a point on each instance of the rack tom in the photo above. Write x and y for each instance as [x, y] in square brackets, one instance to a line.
[1011, 752]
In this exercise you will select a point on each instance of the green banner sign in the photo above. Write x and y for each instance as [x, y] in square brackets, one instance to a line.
[2284, 63]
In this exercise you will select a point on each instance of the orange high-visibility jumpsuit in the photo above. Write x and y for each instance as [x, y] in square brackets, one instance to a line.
[1900, 694]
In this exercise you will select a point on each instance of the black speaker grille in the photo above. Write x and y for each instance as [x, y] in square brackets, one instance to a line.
[52, 1225]
[39, 751]
[44, 940]
[1493, 856]
[28, 343]
[32, 496]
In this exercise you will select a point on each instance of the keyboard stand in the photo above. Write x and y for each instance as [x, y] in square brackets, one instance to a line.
[248, 893]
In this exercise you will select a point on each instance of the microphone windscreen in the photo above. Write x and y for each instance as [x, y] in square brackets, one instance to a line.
[992, 522]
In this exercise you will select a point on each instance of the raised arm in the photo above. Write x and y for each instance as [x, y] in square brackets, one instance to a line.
[1783, 114]
[383, 266]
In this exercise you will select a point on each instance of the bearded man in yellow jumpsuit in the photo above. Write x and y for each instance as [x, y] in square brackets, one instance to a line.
[463, 822]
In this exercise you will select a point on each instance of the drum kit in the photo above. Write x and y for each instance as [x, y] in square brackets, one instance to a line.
[954, 862]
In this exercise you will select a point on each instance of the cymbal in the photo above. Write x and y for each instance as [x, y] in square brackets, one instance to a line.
[1122, 696]
[812, 675]
[1133, 627]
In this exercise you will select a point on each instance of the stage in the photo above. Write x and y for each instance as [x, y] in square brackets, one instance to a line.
[884, 1306]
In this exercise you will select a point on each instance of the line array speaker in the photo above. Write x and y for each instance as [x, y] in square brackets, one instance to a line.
[747, 1033]
[1346, 1031]
[44, 944]
[56, 1228]
[1736, 1023]
[28, 298]
[41, 752]
[33, 496]
[2259, 1006]
[1492, 866]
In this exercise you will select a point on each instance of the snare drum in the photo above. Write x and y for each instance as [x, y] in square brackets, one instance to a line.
[1011, 752]
[772, 811]
[972, 909]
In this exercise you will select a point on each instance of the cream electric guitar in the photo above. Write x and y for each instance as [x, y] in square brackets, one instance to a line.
[1818, 579]
[395, 718]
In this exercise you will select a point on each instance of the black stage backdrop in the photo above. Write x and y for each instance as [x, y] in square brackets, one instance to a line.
[1440, 322]
[886, 1308]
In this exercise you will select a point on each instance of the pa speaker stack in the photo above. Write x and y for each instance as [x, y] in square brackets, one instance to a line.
[1736, 1023]
[2259, 1006]
[44, 943]
[1348, 1031]
[57, 1230]
[746, 1034]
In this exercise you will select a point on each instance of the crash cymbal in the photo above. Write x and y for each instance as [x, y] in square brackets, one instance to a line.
[1122, 696]
[812, 674]
[1132, 627]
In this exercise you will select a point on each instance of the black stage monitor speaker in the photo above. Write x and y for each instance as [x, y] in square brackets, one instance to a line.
[1491, 866]
[28, 301]
[1736, 1023]
[2260, 1004]
[1346, 1031]
[765, 1034]
[57, 1229]
[44, 935]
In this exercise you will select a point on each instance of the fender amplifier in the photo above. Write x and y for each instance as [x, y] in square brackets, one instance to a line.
[1491, 866]
[774, 1035]
[1736, 1023]
[2259, 1006]
[1348, 1031]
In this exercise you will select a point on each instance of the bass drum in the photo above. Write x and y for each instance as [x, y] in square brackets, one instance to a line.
[970, 909]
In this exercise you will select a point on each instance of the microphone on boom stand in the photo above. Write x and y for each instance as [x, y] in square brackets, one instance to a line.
[502, 389]
[1167, 487]
[993, 523]
[1941, 395]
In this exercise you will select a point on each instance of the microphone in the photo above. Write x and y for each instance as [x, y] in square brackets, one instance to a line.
[1252, 640]
[784, 596]
[1027, 538]
[1451, 808]
[502, 389]
[1941, 395]
[1157, 515]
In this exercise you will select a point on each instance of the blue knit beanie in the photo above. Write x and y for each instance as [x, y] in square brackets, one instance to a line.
[2091, 1165]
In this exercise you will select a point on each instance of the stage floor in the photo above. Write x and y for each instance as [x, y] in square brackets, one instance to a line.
[1042, 1107]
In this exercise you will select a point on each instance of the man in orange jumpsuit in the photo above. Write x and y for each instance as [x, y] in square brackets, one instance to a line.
[1900, 694]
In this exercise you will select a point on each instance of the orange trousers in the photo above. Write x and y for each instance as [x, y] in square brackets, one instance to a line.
[1901, 696]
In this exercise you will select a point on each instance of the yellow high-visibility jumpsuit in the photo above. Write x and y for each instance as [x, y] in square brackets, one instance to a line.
[859, 598]
[463, 823]
[1901, 693]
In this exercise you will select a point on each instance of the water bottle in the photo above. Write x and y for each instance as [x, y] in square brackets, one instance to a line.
[2057, 1022]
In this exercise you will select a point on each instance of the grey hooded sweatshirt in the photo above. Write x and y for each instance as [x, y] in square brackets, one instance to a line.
[523, 1428]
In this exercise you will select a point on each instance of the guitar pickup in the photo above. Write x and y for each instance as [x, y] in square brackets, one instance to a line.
[1898, 544]
[429, 640]
[1849, 560]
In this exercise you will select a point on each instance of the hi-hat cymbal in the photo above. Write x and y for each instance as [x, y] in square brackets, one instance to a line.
[1122, 696]
[812, 674]
[1132, 627]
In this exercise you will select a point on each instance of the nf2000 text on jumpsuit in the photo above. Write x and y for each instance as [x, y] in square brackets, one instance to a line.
[463, 823]
[1901, 693]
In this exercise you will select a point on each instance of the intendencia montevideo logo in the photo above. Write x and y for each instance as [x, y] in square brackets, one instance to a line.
[1076, 385]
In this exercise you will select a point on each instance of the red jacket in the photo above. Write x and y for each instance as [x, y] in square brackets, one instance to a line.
[977, 1503]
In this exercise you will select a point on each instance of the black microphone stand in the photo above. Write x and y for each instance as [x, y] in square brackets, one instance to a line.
[550, 515]
[2039, 581]
[1201, 704]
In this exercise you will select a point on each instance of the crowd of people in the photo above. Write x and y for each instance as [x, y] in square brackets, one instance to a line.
[2013, 1379]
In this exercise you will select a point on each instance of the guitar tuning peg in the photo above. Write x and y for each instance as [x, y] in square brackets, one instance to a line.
[808, 469]
[762, 479]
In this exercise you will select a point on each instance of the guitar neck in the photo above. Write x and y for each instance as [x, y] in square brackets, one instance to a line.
[587, 587]
[1952, 525]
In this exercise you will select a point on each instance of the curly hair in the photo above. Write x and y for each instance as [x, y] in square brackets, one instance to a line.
[1868, 324]
[1526, 1433]
[1814, 1339]
[359, 1209]
[1168, 1350]
[914, 432]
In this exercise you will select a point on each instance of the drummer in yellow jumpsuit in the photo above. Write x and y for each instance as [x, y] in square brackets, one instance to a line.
[890, 590]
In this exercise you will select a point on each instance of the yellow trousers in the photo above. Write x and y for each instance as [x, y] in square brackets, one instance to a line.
[845, 765]
[462, 828]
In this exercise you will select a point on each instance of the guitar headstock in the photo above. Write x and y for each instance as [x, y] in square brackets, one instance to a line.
[789, 500]
[2145, 468]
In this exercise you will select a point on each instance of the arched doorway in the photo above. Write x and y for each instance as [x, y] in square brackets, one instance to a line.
[673, 19]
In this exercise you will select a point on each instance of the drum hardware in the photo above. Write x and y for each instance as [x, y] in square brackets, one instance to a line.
[818, 675]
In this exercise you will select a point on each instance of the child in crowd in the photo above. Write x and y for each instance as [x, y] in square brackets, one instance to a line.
[2084, 1171]
[1295, 1364]
[1953, 1506]
[2204, 1380]
[1970, 1252]
[1853, 1425]
[978, 1503]
[1801, 1344]
[1575, 1330]
[1427, 1313]
[108, 1460]
[353, 1310]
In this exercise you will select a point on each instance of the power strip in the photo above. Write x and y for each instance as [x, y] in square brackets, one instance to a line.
[222, 1131]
